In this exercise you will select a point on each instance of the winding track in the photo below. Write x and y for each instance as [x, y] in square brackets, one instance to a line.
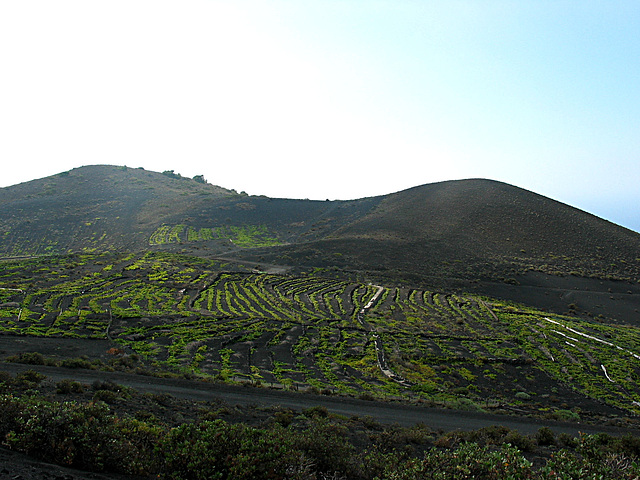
[382, 362]
[384, 412]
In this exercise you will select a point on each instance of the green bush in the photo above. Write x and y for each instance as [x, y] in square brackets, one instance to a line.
[6, 379]
[284, 417]
[107, 385]
[318, 411]
[10, 414]
[29, 378]
[564, 439]
[327, 445]
[91, 437]
[468, 460]
[68, 433]
[567, 415]
[627, 444]
[140, 440]
[106, 396]
[218, 450]
[492, 435]
[76, 363]
[84, 436]
[67, 386]
[28, 358]
[545, 436]
[522, 442]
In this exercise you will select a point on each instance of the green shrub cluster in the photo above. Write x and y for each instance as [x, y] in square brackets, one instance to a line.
[86, 436]
[90, 436]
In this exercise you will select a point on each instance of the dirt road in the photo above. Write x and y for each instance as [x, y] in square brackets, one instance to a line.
[384, 412]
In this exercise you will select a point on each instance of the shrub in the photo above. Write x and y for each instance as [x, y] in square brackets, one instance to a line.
[469, 460]
[5, 378]
[377, 464]
[492, 435]
[76, 363]
[317, 411]
[10, 414]
[106, 396]
[284, 417]
[565, 464]
[395, 438]
[545, 436]
[567, 440]
[139, 445]
[466, 404]
[107, 385]
[567, 415]
[67, 385]
[522, 442]
[29, 378]
[451, 439]
[79, 435]
[125, 362]
[216, 449]
[67, 433]
[326, 445]
[28, 358]
[627, 444]
[366, 396]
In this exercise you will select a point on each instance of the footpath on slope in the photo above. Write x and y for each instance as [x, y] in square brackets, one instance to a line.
[382, 362]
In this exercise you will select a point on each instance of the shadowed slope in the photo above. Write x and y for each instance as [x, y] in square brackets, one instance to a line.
[493, 221]
[491, 238]
[104, 207]
[98, 207]
[480, 227]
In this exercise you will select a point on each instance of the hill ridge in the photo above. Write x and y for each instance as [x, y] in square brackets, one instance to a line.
[452, 233]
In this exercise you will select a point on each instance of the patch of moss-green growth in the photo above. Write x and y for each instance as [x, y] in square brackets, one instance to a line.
[244, 236]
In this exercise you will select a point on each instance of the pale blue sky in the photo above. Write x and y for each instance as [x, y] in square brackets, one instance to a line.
[330, 99]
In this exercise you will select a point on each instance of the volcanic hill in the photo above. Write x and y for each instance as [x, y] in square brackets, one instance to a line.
[475, 235]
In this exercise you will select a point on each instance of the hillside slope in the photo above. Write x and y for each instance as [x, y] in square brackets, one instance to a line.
[473, 235]
[93, 208]
[480, 227]
[496, 222]
[99, 208]
[491, 238]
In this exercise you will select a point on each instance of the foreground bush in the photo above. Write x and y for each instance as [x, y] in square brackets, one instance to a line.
[468, 460]
[216, 449]
[91, 437]
[79, 435]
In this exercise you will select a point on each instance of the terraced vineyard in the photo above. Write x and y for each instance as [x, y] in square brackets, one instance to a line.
[242, 236]
[231, 323]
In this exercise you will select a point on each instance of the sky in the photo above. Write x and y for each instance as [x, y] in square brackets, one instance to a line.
[330, 99]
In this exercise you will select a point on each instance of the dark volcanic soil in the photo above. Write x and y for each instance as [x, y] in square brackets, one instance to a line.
[613, 300]
[15, 466]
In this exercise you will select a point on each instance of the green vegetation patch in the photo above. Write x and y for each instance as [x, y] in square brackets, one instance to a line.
[89, 435]
[244, 236]
[340, 336]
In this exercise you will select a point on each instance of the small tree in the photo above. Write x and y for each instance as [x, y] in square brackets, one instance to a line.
[171, 173]
[200, 179]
